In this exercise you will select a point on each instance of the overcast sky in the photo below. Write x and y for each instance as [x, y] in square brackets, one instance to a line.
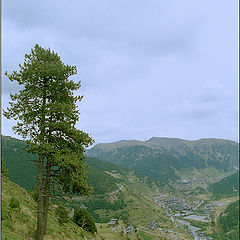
[165, 68]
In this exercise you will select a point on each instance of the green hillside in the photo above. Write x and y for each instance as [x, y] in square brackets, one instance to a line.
[171, 159]
[22, 170]
[119, 193]
[226, 187]
[228, 223]
[19, 223]
[98, 175]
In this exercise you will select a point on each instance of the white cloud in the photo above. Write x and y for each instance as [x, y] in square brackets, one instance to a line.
[161, 68]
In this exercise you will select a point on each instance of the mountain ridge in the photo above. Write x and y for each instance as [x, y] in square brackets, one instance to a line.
[164, 140]
[165, 158]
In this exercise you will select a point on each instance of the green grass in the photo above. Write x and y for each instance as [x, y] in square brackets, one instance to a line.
[145, 237]
[20, 223]
[195, 223]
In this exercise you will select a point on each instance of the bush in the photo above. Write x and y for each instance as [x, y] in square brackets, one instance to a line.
[84, 219]
[14, 203]
[212, 223]
[34, 194]
[62, 213]
[4, 170]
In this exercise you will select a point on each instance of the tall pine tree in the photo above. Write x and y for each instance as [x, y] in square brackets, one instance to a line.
[46, 114]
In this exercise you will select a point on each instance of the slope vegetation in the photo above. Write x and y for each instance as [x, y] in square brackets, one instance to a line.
[19, 222]
[18, 161]
[171, 159]
[228, 223]
[226, 187]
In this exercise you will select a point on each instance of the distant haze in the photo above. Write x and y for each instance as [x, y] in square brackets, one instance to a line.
[148, 68]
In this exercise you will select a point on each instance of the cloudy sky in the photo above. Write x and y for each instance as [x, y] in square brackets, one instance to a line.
[164, 68]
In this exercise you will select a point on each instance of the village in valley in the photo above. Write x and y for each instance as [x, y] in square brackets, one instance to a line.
[182, 212]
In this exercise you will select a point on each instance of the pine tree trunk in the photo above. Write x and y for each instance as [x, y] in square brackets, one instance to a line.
[39, 233]
[46, 194]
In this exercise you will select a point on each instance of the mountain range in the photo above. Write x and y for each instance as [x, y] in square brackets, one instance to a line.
[171, 158]
[128, 176]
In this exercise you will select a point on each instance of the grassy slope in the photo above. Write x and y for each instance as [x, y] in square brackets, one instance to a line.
[138, 205]
[139, 208]
[97, 175]
[19, 224]
[227, 224]
[228, 186]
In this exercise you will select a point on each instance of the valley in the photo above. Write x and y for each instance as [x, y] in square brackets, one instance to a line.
[197, 204]
[161, 213]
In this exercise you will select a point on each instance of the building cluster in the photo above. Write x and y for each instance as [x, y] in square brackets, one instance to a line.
[152, 225]
[113, 222]
[181, 184]
[208, 209]
[129, 229]
[175, 203]
[202, 236]
[193, 181]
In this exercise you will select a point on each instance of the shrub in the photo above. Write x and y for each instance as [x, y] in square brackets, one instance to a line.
[212, 223]
[62, 213]
[4, 170]
[34, 194]
[84, 219]
[14, 203]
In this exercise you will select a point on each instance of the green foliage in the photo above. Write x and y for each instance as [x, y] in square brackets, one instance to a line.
[228, 186]
[229, 218]
[228, 223]
[7, 223]
[34, 193]
[213, 223]
[46, 111]
[20, 223]
[62, 213]
[4, 171]
[124, 216]
[97, 176]
[17, 161]
[152, 163]
[83, 219]
[234, 234]
[5, 211]
[102, 203]
[14, 203]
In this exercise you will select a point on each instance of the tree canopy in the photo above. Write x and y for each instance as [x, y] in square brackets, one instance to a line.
[46, 114]
[84, 219]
